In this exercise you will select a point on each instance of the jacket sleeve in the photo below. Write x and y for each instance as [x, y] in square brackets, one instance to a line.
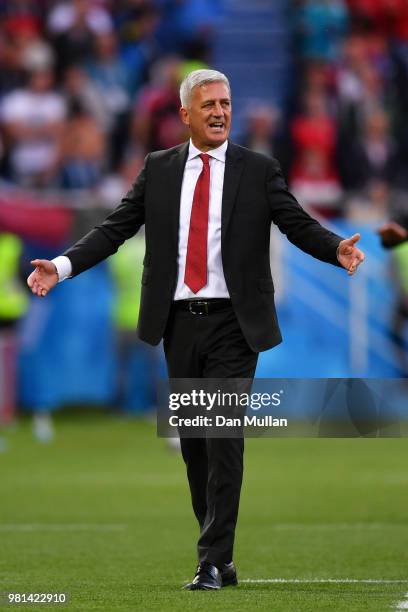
[301, 229]
[121, 224]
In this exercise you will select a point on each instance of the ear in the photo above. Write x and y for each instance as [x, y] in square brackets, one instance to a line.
[184, 116]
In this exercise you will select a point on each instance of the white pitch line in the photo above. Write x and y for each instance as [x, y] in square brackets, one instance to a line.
[321, 581]
[402, 605]
[333, 526]
[61, 527]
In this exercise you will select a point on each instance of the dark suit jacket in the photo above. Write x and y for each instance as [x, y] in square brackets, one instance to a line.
[254, 195]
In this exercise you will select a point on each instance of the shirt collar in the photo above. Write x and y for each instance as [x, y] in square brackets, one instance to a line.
[218, 153]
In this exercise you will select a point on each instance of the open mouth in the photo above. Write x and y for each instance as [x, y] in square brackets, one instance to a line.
[217, 126]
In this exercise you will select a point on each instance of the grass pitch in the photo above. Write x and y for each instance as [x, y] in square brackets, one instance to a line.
[103, 514]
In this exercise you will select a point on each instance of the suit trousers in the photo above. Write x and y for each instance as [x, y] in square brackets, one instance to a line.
[211, 346]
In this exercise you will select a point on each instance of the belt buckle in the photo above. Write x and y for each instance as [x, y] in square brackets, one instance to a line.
[203, 307]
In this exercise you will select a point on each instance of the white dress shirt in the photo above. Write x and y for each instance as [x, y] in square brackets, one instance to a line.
[216, 286]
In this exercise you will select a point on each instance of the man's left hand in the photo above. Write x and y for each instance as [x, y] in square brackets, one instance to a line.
[349, 255]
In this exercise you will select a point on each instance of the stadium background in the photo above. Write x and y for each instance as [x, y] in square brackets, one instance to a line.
[87, 88]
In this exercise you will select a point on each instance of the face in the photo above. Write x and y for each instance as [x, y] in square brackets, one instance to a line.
[41, 80]
[209, 115]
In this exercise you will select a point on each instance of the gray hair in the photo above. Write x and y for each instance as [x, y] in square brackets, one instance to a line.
[199, 77]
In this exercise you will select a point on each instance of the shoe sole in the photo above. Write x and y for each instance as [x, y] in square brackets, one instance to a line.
[202, 588]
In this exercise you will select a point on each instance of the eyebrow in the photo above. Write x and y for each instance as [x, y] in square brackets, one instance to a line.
[214, 100]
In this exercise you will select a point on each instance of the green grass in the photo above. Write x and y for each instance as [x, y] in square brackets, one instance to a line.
[103, 513]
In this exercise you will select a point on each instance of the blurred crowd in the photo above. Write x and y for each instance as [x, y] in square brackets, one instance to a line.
[347, 129]
[89, 87]
[343, 140]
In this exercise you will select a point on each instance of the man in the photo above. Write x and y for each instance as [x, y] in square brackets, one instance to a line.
[207, 206]
[394, 232]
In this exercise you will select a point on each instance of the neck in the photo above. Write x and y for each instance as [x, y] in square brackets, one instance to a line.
[204, 148]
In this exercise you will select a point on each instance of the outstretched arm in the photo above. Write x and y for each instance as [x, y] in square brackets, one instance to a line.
[304, 231]
[99, 243]
[123, 223]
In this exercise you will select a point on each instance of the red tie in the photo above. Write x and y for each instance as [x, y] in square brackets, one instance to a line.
[196, 261]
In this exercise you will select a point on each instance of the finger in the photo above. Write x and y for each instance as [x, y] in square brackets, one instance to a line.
[353, 239]
[354, 265]
[357, 254]
[38, 289]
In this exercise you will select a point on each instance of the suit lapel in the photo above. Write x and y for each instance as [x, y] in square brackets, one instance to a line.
[233, 170]
[176, 170]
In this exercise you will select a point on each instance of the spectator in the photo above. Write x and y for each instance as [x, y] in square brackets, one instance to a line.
[368, 14]
[33, 121]
[73, 33]
[187, 27]
[13, 304]
[156, 123]
[315, 182]
[319, 77]
[138, 363]
[137, 24]
[28, 45]
[362, 88]
[79, 88]
[371, 205]
[12, 73]
[264, 133]
[373, 156]
[83, 150]
[314, 128]
[27, 9]
[112, 79]
[65, 14]
[400, 315]
[114, 185]
[322, 25]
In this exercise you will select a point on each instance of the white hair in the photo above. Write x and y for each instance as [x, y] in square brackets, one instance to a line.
[199, 77]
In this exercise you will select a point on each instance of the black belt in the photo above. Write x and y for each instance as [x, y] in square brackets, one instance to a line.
[202, 307]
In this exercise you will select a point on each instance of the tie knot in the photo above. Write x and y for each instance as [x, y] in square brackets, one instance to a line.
[205, 158]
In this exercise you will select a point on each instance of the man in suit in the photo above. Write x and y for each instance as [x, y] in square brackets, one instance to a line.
[207, 206]
[394, 232]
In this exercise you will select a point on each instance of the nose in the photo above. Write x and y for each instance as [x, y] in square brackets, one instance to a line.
[218, 110]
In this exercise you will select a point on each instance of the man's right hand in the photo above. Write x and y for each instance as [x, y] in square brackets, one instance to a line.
[392, 234]
[44, 277]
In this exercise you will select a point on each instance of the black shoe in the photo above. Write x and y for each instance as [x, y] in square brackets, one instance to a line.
[207, 578]
[228, 574]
